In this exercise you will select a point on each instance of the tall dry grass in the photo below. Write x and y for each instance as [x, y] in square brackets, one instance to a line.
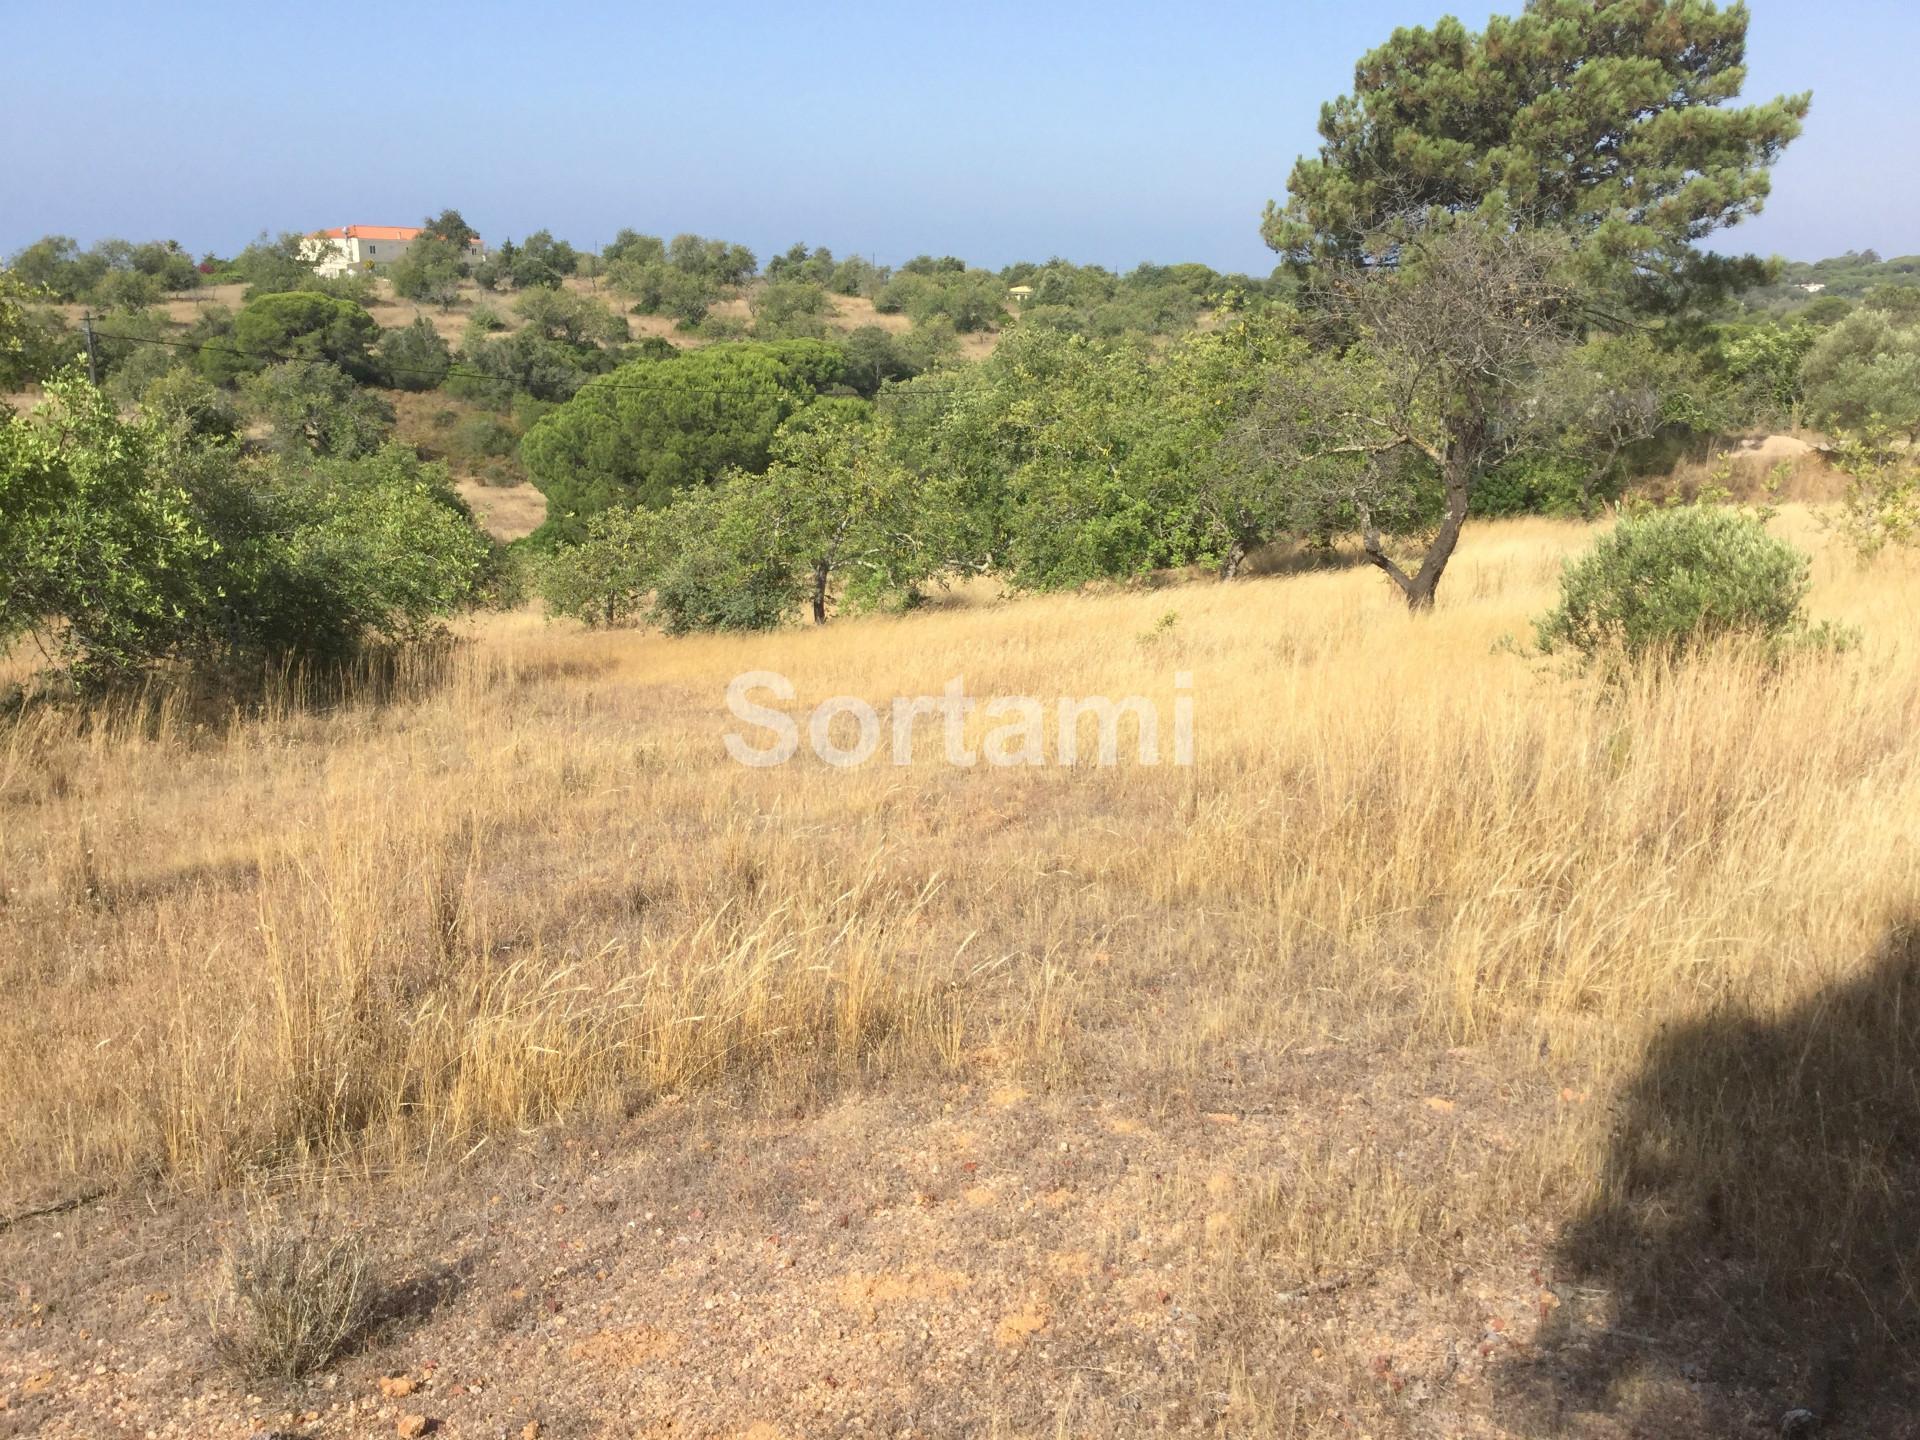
[378, 933]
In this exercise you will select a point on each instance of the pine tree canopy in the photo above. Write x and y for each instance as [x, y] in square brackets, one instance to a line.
[1608, 119]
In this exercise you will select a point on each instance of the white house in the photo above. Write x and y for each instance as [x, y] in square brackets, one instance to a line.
[348, 248]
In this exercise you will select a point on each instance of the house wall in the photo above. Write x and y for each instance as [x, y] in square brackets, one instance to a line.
[333, 255]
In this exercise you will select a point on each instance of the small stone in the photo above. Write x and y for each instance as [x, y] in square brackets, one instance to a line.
[396, 1386]
[530, 1430]
[411, 1427]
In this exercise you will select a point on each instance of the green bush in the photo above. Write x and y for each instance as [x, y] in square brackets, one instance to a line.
[413, 357]
[486, 447]
[484, 320]
[653, 428]
[294, 325]
[190, 405]
[316, 408]
[1669, 581]
[1532, 484]
[790, 309]
[723, 569]
[129, 544]
[100, 557]
[484, 436]
[1863, 373]
[126, 290]
[606, 578]
[35, 342]
[130, 352]
[320, 556]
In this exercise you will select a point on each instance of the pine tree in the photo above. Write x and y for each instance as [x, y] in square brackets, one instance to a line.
[1610, 121]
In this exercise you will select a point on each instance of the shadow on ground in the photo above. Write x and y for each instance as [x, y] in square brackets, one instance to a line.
[1751, 1263]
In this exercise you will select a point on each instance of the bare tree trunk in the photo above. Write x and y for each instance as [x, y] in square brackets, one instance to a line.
[820, 592]
[1590, 475]
[1425, 584]
[1458, 469]
[1235, 558]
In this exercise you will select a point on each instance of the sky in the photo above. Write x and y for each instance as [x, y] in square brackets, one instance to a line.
[1110, 133]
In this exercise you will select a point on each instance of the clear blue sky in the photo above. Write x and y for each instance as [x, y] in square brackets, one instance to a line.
[1113, 133]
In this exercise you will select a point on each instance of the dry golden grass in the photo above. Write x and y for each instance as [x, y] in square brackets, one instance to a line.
[1781, 467]
[506, 512]
[539, 888]
[530, 887]
[1391, 820]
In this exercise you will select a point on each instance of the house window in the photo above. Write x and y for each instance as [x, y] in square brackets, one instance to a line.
[369, 249]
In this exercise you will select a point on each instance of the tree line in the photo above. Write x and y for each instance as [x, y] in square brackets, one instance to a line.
[1461, 323]
[1473, 325]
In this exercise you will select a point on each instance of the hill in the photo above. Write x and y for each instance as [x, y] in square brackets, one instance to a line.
[1269, 1095]
[1849, 277]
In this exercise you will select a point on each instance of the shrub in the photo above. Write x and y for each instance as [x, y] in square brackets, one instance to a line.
[126, 290]
[431, 270]
[1883, 493]
[485, 320]
[128, 359]
[874, 357]
[483, 436]
[129, 544]
[656, 427]
[1764, 364]
[56, 265]
[971, 299]
[190, 405]
[297, 325]
[272, 266]
[724, 569]
[298, 1298]
[318, 558]
[34, 340]
[570, 319]
[486, 447]
[315, 407]
[606, 578]
[1865, 373]
[1671, 580]
[99, 556]
[789, 309]
[1536, 483]
[413, 357]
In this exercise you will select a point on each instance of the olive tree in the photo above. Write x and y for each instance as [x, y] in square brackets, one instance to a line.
[839, 502]
[1437, 385]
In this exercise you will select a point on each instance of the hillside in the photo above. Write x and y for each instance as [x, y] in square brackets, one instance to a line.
[1267, 1096]
[1850, 277]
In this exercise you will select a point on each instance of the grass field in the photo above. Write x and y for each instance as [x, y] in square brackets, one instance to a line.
[1509, 1053]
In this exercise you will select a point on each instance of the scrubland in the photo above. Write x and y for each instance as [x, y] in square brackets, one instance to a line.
[1444, 976]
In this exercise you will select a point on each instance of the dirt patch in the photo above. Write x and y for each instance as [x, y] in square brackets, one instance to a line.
[827, 1274]
[1775, 468]
[506, 512]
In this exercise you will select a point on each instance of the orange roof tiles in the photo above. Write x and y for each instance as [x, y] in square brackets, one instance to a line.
[375, 232]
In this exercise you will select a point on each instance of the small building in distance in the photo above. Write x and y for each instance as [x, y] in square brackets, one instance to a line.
[350, 248]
